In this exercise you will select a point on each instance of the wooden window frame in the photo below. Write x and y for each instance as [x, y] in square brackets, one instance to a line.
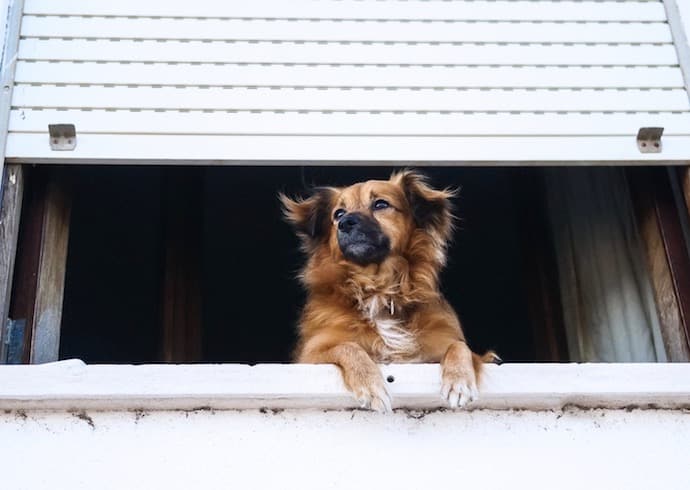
[666, 254]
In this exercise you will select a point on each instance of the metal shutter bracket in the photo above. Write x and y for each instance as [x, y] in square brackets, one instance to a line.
[649, 140]
[63, 137]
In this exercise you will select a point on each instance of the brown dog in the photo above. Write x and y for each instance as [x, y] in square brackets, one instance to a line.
[375, 250]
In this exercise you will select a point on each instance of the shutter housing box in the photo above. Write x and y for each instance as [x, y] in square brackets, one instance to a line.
[347, 81]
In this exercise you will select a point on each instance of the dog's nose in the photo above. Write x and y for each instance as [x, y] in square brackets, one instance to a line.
[347, 222]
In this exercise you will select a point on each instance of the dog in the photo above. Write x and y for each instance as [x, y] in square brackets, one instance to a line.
[374, 253]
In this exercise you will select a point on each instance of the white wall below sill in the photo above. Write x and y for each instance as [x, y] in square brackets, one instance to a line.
[73, 385]
[68, 425]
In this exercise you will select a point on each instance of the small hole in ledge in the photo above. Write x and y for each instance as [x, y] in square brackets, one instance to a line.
[390, 378]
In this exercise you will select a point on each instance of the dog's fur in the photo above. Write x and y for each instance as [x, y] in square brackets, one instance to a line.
[372, 282]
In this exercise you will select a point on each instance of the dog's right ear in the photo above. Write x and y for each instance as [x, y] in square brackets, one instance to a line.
[311, 217]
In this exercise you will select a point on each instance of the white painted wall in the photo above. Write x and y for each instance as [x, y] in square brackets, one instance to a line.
[70, 425]
[317, 449]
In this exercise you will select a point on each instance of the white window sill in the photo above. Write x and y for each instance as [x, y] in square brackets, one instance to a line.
[69, 385]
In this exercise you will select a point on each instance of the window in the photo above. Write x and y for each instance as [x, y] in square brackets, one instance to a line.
[194, 264]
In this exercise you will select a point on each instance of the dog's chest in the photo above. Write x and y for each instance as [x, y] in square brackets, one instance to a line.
[397, 342]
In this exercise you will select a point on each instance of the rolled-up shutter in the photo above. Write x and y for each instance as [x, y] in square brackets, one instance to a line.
[234, 81]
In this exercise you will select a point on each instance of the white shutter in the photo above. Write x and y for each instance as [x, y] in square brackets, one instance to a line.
[267, 81]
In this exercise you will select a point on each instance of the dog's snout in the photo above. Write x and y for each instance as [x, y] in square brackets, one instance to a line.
[348, 222]
[361, 239]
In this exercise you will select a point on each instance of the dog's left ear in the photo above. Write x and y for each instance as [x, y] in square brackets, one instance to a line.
[310, 217]
[432, 209]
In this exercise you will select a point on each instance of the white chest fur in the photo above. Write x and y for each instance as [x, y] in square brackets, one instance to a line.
[397, 342]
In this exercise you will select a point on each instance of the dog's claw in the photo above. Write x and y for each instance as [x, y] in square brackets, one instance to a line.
[381, 405]
[459, 393]
[445, 391]
[453, 399]
[466, 396]
[374, 397]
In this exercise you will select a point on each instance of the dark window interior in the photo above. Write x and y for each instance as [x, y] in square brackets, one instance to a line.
[114, 264]
[250, 299]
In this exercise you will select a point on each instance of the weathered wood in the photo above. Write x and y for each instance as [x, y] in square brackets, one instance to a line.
[10, 212]
[50, 281]
[685, 185]
[656, 243]
[181, 300]
[669, 216]
[28, 254]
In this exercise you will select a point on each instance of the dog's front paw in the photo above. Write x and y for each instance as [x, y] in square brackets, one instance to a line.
[458, 389]
[458, 378]
[369, 389]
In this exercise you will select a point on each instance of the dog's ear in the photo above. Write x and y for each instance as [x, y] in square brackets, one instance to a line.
[309, 216]
[432, 209]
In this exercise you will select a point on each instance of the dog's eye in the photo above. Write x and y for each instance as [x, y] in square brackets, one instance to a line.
[381, 204]
[339, 213]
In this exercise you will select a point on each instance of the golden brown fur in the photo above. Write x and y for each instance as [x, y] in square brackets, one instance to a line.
[358, 315]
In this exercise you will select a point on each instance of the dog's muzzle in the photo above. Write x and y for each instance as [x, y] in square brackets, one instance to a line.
[361, 239]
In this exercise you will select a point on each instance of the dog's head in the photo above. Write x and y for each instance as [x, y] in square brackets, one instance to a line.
[368, 222]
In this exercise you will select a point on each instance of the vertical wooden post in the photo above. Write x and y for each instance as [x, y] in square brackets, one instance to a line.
[183, 195]
[666, 256]
[684, 174]
[10, 212]
[38, 285]
[50, 284]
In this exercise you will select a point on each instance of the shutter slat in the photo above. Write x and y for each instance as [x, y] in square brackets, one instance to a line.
[431, 124]
[359, 53]
[356, 9]
[353, 76]
[327, 30]
[300, 150]
[76, 97]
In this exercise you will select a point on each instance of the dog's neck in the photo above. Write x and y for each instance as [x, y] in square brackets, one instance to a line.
[398, 283]
[394, 284]
[378, 289]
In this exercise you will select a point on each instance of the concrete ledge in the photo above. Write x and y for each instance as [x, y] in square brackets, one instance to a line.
[73, 385]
